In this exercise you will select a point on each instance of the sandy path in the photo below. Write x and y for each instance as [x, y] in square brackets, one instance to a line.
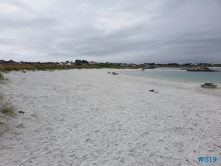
[89, 117]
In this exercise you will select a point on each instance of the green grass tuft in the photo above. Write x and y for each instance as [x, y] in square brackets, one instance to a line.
[7, 110]
[1, 76]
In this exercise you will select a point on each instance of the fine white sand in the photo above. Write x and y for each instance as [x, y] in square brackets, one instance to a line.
[90, 117]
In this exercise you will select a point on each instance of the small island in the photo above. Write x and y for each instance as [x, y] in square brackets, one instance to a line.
[201, 69]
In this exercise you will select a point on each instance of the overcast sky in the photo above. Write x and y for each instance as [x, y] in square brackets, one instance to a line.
[111, 30]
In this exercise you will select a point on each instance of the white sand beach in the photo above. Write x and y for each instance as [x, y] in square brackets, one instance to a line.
[89, 117]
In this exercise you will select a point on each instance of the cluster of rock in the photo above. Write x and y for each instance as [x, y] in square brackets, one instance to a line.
[209, 85]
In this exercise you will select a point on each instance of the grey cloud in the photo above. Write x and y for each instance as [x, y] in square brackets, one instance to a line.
[139, 31]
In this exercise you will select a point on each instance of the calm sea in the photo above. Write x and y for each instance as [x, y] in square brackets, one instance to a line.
[182, 75]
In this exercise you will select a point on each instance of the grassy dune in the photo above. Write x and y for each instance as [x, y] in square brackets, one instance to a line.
[17, 67]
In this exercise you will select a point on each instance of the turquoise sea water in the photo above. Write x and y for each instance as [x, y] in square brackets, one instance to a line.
[182, 75]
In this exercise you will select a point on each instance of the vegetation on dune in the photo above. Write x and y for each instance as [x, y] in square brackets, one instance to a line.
[6, 108]
[15, 67]
[1, 76]
[44, 67]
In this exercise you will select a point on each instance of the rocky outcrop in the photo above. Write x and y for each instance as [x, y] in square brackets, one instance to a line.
[208, 85]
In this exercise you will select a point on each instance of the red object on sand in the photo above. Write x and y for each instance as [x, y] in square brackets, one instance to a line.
[115, 73]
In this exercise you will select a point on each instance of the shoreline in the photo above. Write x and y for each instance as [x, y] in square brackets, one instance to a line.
[86, 117]
[172, 80]
[168, 79]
